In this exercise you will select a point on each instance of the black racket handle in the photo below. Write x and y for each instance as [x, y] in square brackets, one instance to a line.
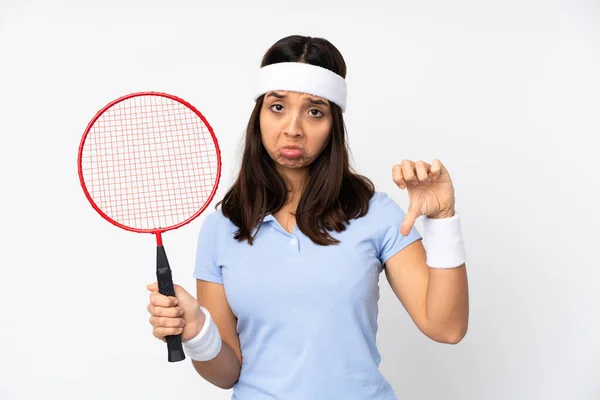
[165, 286]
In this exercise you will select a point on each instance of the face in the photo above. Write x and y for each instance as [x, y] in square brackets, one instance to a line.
[294, 127]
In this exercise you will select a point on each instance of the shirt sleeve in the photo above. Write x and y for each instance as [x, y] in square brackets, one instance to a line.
[206, 267]
[391, 216]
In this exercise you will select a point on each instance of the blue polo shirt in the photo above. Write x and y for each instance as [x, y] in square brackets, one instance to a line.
[306, 314]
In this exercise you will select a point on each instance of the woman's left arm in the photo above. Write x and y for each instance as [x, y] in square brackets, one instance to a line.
[435, 296]
[437, 300]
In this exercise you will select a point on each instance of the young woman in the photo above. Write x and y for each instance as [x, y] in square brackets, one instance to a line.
[287, 269]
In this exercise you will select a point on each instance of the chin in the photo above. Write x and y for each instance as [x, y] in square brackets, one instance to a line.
[292, 163]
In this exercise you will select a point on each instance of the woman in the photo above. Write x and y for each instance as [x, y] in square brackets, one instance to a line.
[287, 270]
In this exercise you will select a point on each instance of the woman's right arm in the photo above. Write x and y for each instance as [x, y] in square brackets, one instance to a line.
[182, 315]
[223, 370]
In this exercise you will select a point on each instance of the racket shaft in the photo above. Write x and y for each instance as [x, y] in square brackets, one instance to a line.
[165, 287]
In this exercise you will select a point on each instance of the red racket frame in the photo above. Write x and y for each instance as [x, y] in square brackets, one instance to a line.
[158, 232]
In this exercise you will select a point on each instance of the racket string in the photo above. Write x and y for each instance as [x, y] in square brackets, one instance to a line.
[150, 162]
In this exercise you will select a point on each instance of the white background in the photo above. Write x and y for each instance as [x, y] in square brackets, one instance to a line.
[506, 94]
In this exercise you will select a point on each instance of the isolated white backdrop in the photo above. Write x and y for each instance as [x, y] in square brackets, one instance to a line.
[506, 94]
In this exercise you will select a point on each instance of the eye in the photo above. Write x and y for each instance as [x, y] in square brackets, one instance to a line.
[276, 107]
[316, 113]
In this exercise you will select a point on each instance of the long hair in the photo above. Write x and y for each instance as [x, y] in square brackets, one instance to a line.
[333, 193]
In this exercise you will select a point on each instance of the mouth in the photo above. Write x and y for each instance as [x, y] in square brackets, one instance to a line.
[291, 151]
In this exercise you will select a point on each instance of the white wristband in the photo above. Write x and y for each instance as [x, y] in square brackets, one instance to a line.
[443, 242]
[206, 344]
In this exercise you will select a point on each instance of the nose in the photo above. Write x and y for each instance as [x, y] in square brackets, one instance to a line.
[293, 126]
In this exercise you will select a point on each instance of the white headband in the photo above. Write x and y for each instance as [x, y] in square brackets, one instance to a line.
[304, 78]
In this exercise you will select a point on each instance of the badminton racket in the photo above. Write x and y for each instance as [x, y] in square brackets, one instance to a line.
[149, 162]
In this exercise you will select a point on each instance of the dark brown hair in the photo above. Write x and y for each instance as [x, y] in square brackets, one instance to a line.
[333, 193]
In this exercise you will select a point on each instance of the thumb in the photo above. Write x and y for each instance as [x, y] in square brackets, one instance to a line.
[183, 296]
[153, 287]
[409, 220]
[180, 293]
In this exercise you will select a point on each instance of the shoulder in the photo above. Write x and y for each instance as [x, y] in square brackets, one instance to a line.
[214, 216]
[383, 209]
[379, 198]
[216, 222]
[381, 201]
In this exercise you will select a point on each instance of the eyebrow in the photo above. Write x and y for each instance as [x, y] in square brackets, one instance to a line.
[309, 99]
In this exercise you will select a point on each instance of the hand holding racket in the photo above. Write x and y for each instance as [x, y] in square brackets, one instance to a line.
[149, 162]
[174, 316]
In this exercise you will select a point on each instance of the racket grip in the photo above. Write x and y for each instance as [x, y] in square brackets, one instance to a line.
[165, 286]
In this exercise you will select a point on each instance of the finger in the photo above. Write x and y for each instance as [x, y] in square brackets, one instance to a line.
[164, 322]
[170, 312]
[153, 287]
[160, 300]
[161, 332]
[422, 169]
[408, 221]
[408, 171]
[398, 177]
[436, 169]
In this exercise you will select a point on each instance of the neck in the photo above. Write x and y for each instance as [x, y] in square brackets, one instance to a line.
[295, 178]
